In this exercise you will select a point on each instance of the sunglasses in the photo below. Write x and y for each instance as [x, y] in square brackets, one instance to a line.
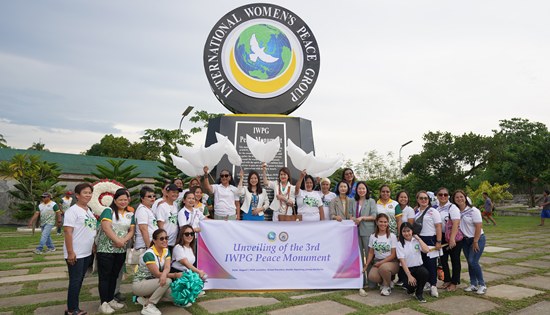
[423, 198]
[224, 175]
[163, 238]
[443, 195]
[189, 234]
[151, 196]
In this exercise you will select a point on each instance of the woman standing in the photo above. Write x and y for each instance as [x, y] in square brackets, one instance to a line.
[226, 198]
[189, 215]
[407, 213]
[310, 205]
[145, 219]
[473, 241]
[283, 199]
[449, 212]
[382, 254]
[364, 212]
[255, 201]
[117, 228]
[409, 251]
[153, 277]
[430, 234]
[326, 196]
[388, 206]
[349, 177]
[79, 228]
[341, 208]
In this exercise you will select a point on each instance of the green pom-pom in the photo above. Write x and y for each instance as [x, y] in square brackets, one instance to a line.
[186, 289]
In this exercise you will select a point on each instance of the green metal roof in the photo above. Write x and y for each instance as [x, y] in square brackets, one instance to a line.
[83, 164]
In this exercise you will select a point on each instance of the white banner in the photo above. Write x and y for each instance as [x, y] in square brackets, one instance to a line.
[241, 255]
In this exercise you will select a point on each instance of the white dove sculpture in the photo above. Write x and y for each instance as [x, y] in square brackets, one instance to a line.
[315, 166]
[199, 157]
[263, 152]
[232, 154]
[258, 52]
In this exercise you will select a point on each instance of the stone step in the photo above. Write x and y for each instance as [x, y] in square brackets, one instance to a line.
[33, 277]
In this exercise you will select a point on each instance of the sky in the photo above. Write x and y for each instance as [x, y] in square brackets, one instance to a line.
[73, 71]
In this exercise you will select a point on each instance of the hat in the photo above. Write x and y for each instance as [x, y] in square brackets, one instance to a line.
[46, 194]
[69, 193]
[173, 187]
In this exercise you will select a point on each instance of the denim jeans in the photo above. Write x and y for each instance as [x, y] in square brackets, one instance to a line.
[76, 276]
[45, 238]
[474, 268]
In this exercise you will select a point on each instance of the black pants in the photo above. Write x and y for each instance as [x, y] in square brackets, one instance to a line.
[108, 268]
[421, 274]
[454, 253]
[430, 263]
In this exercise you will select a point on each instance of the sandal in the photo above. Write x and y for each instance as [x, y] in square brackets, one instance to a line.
[445, 285]
[76, 312]
[451, 288]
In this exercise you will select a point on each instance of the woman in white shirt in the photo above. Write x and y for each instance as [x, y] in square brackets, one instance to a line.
[255, 200]
[407, 213]
[409, 249]
[310, 205]
[326, 196]
[226, 198]
[382, 254]
[189, 215]
[473, 241]
[145, 219]
[449, 212]
[430, 234]
[283, 192]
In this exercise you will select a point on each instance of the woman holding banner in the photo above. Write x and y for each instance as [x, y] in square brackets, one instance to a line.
[283, 200]
[310, 205]
[326, 196]
[341, 207]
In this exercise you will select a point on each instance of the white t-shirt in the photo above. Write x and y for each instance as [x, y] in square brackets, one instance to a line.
[468, 217]
[169, 215]
[382, 246]
[156, 205]
[224, 200]
[144, 216]
[326, 202]
[308, 203]
[411, 252]
[431, 218]
[446, 210]
[195, 217]
[408, 213]
[181, 252]
[84, 226]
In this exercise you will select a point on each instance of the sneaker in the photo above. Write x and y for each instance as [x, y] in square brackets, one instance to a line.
[59, 233]
[139, 300]
[385, 291]
[119, 297]
[203, 293]
[433, 291]
[420, 299]
[188, 305]
[481, 290]
[50, 250]
[37, 251]
[362, 292]
[427, 286]
[105, 308]
[399, 283]
[150, 309]
[115, 305]
[392, 285]
[471, 288]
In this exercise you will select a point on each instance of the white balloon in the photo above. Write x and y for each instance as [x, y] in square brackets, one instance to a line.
[232, 154]
[263, 152]
[212, 155]
[186, 167]
[299, 158]
[314, 166]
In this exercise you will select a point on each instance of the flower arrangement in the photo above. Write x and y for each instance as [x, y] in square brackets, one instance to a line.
[102, 197]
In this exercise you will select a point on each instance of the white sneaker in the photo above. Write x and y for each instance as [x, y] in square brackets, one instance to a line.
[427, 286]
[202, 293]
[150, 309]
[471, 288]
[105, 308]
[362, 292]
[481, 290]
[385, 291]
[433, 291]
[115, 305]
[392, 285]
[141, 300]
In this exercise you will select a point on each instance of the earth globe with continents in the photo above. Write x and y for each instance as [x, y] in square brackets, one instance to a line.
[263, 52]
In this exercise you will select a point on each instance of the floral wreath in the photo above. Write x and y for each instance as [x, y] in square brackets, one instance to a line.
[102, 197]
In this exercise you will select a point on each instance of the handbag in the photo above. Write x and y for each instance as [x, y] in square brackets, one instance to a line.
[417, 224]
[448, 228]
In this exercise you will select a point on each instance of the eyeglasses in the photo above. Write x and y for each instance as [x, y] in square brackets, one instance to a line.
[385, 191]
[423, 198]
[151, 196]
[189, 234]
[224, 175]
[348, 173]
[163, 238]
[443, 195]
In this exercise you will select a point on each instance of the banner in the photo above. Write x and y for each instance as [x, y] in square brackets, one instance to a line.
[241, 255]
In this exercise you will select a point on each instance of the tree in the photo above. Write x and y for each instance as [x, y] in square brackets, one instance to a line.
[3, 143]
[496, 192]
[446, 160]
[111, 146]
[38, 146]
[33, 177]
[521, 154]
[160, 142]
[120, 173]
[376, 166]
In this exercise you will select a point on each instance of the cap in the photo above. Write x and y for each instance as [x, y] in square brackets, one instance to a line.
[173, 187]
[46, 194]
[69, 193]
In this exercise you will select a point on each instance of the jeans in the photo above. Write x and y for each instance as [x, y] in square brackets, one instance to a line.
[76, 276]
[45, 238]
[474, 268]
[454, 253]
[430, 263]
[108, 269]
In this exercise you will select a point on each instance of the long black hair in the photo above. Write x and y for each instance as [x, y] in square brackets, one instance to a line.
[367, 196]
[403, 226]
[118, 193]
[258, 185]
[179, 240]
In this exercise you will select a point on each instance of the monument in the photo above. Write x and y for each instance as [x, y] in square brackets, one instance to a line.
[261, 61]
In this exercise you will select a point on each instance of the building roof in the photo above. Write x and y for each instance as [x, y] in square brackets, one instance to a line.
[83, 164]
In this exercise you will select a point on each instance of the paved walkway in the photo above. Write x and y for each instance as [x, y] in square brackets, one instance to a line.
[518, 276]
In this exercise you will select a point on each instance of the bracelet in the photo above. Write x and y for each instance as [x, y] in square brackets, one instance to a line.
[438, 241]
